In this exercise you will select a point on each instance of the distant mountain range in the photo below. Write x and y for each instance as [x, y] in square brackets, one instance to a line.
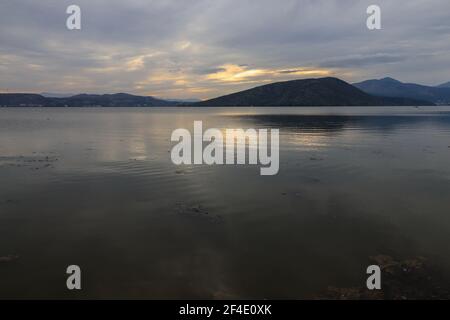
[309, 92]
[82, 100]
[389, 87]
[56, 95]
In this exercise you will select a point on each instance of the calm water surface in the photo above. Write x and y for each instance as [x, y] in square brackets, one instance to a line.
[96, 188]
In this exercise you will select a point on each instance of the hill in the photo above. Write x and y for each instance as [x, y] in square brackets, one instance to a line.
[82, 100]
[22, 100]
[389, 87]
[110, 100]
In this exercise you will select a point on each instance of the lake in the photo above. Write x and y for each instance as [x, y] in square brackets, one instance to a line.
[96, 187]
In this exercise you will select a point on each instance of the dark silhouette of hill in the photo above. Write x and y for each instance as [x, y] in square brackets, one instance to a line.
[112, 100]
[82, 100]
[22, 100]
[389, 87]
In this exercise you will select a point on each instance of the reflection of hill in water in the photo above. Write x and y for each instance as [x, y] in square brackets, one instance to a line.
[336, 123]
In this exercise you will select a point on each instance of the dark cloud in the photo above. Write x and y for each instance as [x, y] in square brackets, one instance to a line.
[363, 61]
[209, 70]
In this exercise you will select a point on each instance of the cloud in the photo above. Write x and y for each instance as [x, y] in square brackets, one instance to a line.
[203, 48]
[363, 60]
[243, 73]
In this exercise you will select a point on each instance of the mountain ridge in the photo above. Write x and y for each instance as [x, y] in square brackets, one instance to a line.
[327, 91]
[82, 100]
[389, 87]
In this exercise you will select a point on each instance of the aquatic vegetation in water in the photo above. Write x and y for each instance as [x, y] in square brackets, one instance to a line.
[407, 279]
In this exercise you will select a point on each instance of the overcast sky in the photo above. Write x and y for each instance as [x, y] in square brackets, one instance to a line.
[206, 48]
